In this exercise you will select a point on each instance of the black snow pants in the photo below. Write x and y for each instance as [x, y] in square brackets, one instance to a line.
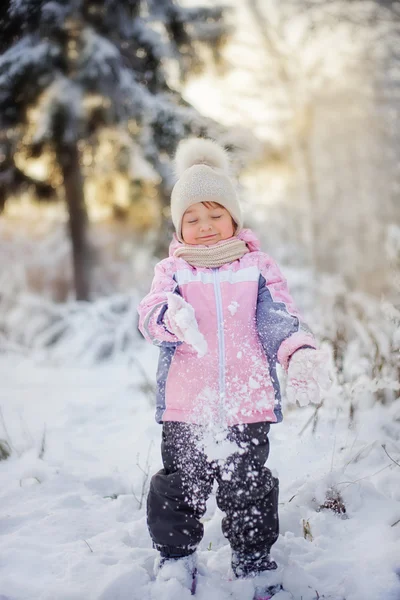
[247, 493]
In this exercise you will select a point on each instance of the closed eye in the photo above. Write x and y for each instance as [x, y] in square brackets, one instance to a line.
[195, 221]
[219, 216]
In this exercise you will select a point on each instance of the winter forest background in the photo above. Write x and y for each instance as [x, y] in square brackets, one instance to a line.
[94, 98]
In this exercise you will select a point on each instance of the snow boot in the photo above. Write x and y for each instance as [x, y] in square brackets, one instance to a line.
[250, 565]
[267, 593]
[181, 568]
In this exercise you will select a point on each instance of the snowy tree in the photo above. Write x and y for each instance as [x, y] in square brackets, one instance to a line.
[70, 68]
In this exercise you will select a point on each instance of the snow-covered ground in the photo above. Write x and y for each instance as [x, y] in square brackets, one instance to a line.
[72, 494]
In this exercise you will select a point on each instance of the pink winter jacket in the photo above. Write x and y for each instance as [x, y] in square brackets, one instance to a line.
[245, 312]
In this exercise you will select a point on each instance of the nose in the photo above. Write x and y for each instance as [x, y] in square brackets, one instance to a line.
[205, 226]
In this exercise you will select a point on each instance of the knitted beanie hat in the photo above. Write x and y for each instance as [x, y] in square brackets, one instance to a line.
[202, 167]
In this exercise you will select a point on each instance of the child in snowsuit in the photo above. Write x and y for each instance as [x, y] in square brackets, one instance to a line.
[221, 313]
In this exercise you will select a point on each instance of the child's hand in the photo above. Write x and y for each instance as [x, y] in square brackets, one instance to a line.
[308, 372]
[181, 321]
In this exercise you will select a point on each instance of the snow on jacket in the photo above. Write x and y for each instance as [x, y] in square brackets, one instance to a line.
[249, 320]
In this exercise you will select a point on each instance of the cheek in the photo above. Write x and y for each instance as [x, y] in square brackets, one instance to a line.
[188, 234]
[228, 228]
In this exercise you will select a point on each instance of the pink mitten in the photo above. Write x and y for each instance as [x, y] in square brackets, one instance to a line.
[308, 372]
[181, 321]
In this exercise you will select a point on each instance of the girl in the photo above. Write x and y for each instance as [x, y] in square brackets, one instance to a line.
[221, 313]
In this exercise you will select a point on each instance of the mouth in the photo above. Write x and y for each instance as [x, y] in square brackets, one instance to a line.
[208, 237]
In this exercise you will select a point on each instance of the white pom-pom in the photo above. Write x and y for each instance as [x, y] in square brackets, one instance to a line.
[199, 151]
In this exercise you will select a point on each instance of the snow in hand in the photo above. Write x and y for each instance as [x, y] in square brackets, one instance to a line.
[73, 494]
[182, 322]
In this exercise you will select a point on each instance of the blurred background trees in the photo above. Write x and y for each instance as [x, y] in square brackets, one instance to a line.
[71, 71]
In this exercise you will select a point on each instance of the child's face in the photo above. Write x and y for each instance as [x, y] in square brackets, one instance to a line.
[207, 223]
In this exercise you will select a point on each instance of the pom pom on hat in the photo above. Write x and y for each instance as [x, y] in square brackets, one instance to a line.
[202, 167]
[199, 151]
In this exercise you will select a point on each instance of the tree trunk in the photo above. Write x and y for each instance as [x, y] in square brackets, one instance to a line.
[166, 228]
[78, 219]
[310, 181]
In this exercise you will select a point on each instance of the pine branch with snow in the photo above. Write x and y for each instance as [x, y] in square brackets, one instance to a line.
[71, 69]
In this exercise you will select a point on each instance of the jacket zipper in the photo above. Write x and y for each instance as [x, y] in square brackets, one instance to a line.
[221, 343]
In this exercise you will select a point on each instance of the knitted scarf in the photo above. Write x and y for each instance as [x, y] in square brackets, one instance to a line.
[213, 256]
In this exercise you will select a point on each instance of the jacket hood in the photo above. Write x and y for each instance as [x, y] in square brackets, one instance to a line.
[247, 235]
